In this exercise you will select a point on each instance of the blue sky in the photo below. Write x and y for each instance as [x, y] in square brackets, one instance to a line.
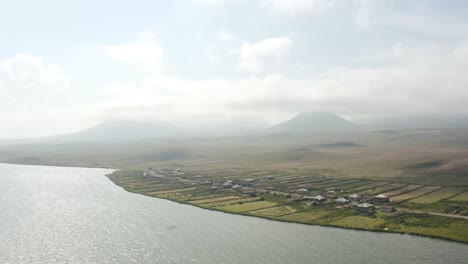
[72, 64]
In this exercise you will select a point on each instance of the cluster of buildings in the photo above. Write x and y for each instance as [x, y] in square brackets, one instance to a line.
[362, 204]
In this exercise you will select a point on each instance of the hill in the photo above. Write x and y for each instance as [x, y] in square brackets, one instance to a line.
[117, 130]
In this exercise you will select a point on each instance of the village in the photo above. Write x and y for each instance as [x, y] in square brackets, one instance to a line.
[338, 198]
[309, 197]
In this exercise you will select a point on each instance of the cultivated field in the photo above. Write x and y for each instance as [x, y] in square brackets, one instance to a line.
[438, 195]
[463, 197]
[275, 211]
[237, 208]
[415, 193]
[403, 190]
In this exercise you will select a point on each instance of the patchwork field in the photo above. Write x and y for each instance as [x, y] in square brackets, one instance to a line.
[246, 207]
[280, 198]
[368, 186]
[415, 193]
[217, 199]
[383, 188]
[360, 222]
[228, 202]
[305, 217]
[275, 211]
[438, 195]
[403, 190]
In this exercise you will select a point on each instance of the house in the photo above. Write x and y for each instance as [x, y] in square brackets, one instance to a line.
[354, 197]
[269, 178]
[227, 185]
[341, 200]
[319, 198]
[302, 190]
[366, 208]
[236, 187]
[381, 198]
[249, 182]
[387, 209]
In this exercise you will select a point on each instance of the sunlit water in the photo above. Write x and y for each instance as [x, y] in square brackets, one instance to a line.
[76, 215]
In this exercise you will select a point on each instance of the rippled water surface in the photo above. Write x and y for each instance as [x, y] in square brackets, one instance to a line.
[76, 215]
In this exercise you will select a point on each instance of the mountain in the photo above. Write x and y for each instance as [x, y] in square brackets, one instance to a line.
[128, 129]
[315, 122]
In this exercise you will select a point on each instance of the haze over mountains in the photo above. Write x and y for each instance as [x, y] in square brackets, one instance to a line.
[315, 122]
[305, 122]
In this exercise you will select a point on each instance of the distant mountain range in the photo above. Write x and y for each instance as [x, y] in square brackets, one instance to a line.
[306, 122]
[126, 130]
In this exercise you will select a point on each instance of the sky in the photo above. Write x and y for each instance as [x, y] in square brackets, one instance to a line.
[68, 65]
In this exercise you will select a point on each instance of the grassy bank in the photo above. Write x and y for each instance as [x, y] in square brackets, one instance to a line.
[271, 197]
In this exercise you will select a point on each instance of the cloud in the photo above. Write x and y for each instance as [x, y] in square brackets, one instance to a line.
[295, 7]
[27, 72]
[252, 57]
[410, 82]
[144, 54]
[224, 35]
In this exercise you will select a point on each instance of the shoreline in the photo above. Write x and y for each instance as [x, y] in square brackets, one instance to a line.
[247, 213]
[290, 221]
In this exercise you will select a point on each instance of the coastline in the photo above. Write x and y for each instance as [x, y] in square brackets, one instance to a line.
[290, 221]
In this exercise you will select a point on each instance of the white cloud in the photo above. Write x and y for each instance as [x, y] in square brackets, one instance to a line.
[27, 72]
[295, 7]
[144, 54]
[252, 57]
[224, 35]
[412, 82]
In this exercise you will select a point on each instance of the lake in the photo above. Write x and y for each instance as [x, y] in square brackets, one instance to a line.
[76, 215]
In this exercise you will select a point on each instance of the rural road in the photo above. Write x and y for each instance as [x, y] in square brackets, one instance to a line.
[437, 214]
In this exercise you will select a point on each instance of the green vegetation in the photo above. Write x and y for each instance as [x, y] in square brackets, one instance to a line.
[275, 211]
[424, 171]
[463, 197]
[438, 195]
[415, 193]
[403, 190]
[282, 195]
[245, 207]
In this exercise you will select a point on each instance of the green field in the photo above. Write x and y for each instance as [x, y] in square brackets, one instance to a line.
[383, 188]
[368, 186]
[361, 222]
[415, 193]
[403, 190]
[246, 206]
[275, 211]
[268, 202]
[438, 195]
[217, 199]
[463, 197]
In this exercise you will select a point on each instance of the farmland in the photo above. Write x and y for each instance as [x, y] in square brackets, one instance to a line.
[287, 195]
[440, 194]
[415, 193]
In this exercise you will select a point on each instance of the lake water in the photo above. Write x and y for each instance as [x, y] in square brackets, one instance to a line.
[76, 215]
